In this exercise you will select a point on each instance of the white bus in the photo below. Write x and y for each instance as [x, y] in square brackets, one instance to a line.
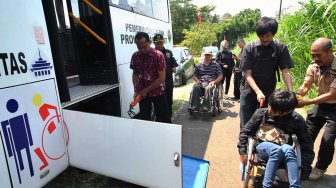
[65, 89]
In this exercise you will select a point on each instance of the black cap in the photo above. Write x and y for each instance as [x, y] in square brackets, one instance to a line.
[158, 37]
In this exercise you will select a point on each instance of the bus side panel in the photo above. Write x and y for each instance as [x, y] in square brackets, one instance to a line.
[25, 49]
[136, 151]
[124, 31]
[30, 122]
[4, 174]
[32, 133]
[126, 88]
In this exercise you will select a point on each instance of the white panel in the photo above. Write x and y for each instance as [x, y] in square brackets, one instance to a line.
[25, 44]
[125, 29]
[135, 151]
[126, 89]
[4, 176]
[31, 126]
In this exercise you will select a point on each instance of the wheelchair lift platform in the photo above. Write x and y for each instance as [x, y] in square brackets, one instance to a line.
[194, 172]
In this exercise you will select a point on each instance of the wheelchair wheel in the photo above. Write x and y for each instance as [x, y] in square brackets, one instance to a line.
[247, 176]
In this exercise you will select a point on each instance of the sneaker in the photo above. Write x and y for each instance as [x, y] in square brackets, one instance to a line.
[316, 174]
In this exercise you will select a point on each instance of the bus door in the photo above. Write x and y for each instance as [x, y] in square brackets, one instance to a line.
[141, 152]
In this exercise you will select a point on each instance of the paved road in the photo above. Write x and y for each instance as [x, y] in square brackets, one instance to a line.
[215, 139]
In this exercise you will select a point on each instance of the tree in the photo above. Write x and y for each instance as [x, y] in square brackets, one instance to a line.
[240, 24]
[183, 15]
[206, 13]
[197, 37]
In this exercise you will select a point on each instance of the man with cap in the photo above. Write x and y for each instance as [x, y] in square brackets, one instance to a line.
[322, 73]
[170, 68]
[207, 74]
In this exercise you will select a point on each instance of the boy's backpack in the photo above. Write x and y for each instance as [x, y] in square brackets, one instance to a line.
[277, 51]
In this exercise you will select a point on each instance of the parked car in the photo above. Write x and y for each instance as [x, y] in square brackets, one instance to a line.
[185, 63]
[213, 49]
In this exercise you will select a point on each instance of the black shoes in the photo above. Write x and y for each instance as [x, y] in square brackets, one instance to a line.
[192, 109]
[205, 109]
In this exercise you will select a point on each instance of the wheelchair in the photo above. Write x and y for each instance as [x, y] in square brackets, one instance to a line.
[216, 101]
[252, 172]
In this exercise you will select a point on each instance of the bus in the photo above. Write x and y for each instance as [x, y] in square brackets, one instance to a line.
[65, 90]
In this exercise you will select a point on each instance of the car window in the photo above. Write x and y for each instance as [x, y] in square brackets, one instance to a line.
[177, 55]
[186, 51]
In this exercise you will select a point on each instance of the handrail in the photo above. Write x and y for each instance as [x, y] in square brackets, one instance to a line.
[92, 6]
[87, 28]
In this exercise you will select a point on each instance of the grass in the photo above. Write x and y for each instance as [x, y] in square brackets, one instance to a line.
[181, 96]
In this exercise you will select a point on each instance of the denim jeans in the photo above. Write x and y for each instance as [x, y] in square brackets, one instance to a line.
[274, 155]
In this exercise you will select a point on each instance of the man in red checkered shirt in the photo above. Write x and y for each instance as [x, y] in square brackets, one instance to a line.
[149, 74]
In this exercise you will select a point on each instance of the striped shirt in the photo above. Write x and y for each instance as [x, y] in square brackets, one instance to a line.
[207, 73]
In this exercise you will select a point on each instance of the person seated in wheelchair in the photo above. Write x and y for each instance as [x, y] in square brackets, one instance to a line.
[207, 75]
[272, 128]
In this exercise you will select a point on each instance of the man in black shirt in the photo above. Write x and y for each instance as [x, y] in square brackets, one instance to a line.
[225, 60]
[237, 70]
[170, 68]
[261, 60]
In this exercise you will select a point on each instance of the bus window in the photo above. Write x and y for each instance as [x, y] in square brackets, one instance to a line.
[121, 4]
[144, 7]
[75, 9]
[160, 10]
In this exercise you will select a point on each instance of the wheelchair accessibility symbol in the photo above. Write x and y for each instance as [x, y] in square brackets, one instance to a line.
[19, 131]
[52, 131]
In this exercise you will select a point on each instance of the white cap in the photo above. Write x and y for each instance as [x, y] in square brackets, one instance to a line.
[208, 51]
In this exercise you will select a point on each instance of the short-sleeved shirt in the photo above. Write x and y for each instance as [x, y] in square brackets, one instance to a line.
[264, 61]
[147, 67]
[207, 73]
[323, 81]
[170, 63]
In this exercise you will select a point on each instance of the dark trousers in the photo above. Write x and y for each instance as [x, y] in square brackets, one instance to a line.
[169, 96]
[227, 73]
[236, 82]
[197, 92]
[320, 115]
[160, 108]
[248, 105]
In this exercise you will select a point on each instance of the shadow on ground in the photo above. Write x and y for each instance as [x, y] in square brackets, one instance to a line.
[197, 130]
[76, 178]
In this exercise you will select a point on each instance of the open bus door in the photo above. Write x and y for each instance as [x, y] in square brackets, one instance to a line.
[136, 151]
